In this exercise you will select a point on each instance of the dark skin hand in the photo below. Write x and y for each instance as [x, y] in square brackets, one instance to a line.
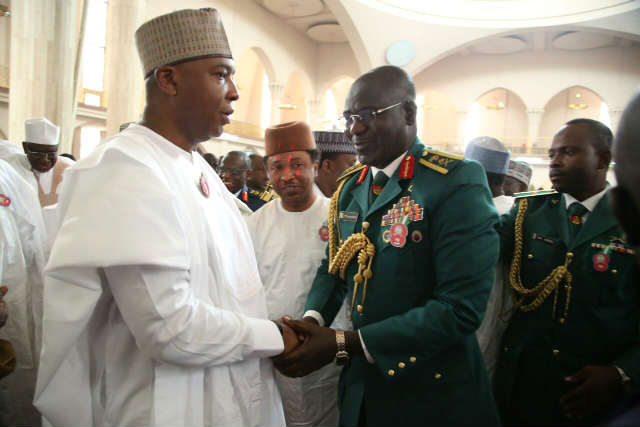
[596, 389]
[317, 349]
[289, 337]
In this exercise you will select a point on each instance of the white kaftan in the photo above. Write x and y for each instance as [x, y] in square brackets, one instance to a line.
[496, 319]
[22, 259]
[154, 311]
[289, 248]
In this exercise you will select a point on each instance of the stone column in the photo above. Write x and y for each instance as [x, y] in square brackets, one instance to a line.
[124, 79]
[313, 113]
[276, 90]
[41, 75]
[535, 117]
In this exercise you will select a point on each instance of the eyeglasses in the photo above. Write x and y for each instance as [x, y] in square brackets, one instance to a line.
[41, 154]
[231, 171]
[365, 115]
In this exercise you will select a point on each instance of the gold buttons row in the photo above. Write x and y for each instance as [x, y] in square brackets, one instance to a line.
[403, 365]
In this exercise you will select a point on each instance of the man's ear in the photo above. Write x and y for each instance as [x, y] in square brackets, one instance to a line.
[166, 77]
[604, 159]
[316, 167]
[411, 111]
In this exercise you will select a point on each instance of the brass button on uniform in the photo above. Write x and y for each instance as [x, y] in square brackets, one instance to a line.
[437, 376]
[401, 365]
[562, 320]
[391, 372]
[412, 359]
[506, 349]
[556, 352]
[359, 308]
[530, 256]
[570, 254]
[614, 271]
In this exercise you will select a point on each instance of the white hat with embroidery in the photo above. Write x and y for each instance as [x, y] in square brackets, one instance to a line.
[41, 131]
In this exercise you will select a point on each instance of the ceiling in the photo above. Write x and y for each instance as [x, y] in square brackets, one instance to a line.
[310, 17]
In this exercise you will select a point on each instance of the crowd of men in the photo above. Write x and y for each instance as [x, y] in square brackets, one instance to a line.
[152, 283]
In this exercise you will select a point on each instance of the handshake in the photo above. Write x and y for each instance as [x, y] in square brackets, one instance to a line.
[308, 346]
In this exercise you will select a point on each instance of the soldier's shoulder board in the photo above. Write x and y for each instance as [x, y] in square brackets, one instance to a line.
[350, 171]
[534, 193]
[440, 161]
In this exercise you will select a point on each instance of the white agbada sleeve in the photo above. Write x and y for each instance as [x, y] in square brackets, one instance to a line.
[172, 325]
[496, 316]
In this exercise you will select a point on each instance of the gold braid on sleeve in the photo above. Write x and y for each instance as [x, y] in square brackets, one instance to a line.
[550, 283]
[340, 257]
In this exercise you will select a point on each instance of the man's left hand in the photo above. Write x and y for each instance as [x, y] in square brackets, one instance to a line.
[317, 350]
[596, 390]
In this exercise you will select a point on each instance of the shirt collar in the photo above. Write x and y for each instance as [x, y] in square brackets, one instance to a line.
[390, 169]
[589, 203]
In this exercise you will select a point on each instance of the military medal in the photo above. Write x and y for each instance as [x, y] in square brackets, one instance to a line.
[399, 233]
[323, 232]
[404, 208]
[204, 185]
[4, 200]
[601, 262]
[416, 236]
[386, 236]
[575, 220]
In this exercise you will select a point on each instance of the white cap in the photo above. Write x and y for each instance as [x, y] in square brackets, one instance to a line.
[41, 131]
[490, 153]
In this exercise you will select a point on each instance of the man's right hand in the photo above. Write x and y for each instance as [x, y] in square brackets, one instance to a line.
[290, 338]
[4, 312]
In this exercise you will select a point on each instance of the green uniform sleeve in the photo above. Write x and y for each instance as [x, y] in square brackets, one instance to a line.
[327, 292]
[465, 251]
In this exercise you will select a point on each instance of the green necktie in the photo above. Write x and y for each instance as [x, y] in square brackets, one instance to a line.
[378, 184]
[576, 211]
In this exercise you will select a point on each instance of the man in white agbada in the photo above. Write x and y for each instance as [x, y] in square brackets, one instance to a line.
[494, 157]
[154, 310]
[40, 165]
[290, 238]
[22, 259]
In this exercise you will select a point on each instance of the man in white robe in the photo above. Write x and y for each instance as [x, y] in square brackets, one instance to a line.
[290, 238]
[40, 165]
[154, 310]
[494, 157]
[22, 259]
[337, 154]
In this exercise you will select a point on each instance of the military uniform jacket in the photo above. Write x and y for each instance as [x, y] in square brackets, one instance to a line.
[597, 326]
[424, 301]
[251, 198]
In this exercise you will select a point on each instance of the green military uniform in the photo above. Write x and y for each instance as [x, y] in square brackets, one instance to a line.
[591, 320]
[424, 300]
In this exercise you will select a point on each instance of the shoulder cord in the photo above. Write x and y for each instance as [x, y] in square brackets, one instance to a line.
[550, 283]
[340, 257]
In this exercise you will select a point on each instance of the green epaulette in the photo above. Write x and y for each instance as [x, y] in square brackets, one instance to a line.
[350, 171]
[534, 193]
[440, 161]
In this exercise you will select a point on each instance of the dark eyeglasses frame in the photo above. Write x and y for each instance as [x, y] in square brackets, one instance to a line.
[41, 154]
[364, 116]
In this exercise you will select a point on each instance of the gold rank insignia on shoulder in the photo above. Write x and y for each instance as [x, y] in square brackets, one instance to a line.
[439, 161]
[350, 171]
[534, 193]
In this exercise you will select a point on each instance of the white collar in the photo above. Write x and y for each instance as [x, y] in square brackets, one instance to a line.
[390, 169]
[589, 203]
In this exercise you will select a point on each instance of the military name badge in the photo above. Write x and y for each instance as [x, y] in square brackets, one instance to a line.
[204, 185]
[4, 200]
[323, 232]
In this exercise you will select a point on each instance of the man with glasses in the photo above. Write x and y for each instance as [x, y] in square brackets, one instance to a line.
[233, 173]
[412, 248]
[41, 166]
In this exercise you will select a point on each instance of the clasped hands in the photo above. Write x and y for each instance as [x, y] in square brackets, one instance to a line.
[307, 347]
